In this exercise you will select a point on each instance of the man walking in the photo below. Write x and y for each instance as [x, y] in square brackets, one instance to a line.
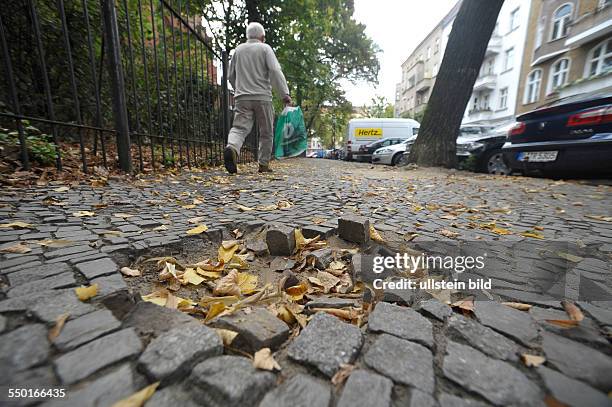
[253, 72]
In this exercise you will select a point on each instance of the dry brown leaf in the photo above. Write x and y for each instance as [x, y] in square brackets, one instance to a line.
[197, 230]
[342, 374]
[263, 360]
[374, 235]
[466, 304]
[227, 250]
[57, 328]
[139, 398]
[518, 305]
[16, 225]
[448, 233]
[327, 280]
[532, 360]
[550, 401]
[81, 214]
[130, 272]
[563, 323]
[227, 336]
[301, 241]
[532, 234]
[348, 314]
[572, 310]
[235, 283]
[54, 242]
[84, 293]
[19, 248]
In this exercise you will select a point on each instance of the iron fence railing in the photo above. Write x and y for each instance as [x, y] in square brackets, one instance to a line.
[127, 83]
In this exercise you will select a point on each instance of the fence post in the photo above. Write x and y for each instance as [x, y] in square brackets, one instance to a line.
[224, 93]
[115, 70]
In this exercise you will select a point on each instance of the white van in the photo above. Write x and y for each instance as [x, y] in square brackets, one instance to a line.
[364, 131]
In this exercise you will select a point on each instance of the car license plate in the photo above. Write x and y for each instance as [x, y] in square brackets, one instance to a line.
[537, 156]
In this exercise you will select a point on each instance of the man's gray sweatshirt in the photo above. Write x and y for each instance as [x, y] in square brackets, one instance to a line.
[254, 70]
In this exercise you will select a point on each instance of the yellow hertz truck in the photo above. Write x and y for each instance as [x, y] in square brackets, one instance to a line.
[365, 131]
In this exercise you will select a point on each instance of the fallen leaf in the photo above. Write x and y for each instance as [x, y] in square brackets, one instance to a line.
[517, 305]
[297, 292]
[342, 374]
[227, 300]
[84, 293]
[563, 323]
[191, 206]
[191, 277]
[263, 360]
[570, 257]
[197, 230]
[599, 217]
[122, 215]
[374, 235]
[572, 310]
[227, 250]
[208, 265]
[130, 272]
[139, 398]
[196, 220]
[57, 328]
[327, 280]
[238, 262]
[54, 242]
[245, 208]
[81, 214]
[17, 225]
[159, 297]
[160, 228]
[235, 283]
[532, 360]
[61, 189]
[448, 233]
[213, 275]
[301, 241]
[550, 401]
[466, 304]
[532, 234]
[284, 204]
[247, 283]
[19, 248]
[227, 336]
[214, 309]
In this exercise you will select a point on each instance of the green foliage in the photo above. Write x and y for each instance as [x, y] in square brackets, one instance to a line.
[379, 108]
[418, 116]
[40, 146]
[469, 164]
[331, 125]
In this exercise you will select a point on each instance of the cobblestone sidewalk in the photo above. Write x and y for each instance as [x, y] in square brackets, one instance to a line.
[412, 352]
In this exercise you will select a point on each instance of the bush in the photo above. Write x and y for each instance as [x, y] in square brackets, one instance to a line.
[40, 146]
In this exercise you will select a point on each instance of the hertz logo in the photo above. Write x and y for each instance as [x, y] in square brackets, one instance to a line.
[368, 132]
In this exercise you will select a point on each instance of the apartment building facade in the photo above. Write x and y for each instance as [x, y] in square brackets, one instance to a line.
[568, 51]
[420, 69]
[493, 99]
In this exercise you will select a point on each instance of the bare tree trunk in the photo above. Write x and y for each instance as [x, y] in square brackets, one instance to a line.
[467, 45]
[252, 7]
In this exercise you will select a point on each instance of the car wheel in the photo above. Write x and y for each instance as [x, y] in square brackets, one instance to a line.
[396, 158]
[494, 163]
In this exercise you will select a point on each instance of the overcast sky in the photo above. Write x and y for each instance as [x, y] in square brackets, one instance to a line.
[397, 26]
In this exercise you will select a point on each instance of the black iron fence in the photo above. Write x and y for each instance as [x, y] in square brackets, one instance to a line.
[126, 83]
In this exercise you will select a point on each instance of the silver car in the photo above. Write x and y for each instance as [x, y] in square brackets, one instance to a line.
[390, 155]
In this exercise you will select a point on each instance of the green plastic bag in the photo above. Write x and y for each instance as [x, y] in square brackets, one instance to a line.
[290, 134]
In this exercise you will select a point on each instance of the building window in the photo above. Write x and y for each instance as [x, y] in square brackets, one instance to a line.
[560, 22]
[540, 32]
[599, 60]
[559, 73]
[503, 98]
[532, 87]
[514, 19]
[437, 46]
[508, 59]
[475, 103]
[604, 3]
[428, 52]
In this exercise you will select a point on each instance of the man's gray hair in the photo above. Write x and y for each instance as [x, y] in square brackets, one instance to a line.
[255, 31]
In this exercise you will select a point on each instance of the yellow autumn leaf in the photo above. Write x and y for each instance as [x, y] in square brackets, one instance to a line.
[55, 242]
[139, 398]
[227, 300]
[81, 214]
[374, 235]
[301, 241]
[61, 189]
[297, 292]
[238, 262]
[188, 206]
[245, 208]
[57, 328]
[227, 250]
[160, 228]
[122, 215]
[208, 265]
[247, 283]
[532, 234]
[214, 309]
[213, 275]
[197, 230]
[500, 231]
[191, 277]
[263, 360]
[159, 297]
[16, 225]
[532, 360]
[227, 336]
[518, 305]
[84, 293]
[19, 248]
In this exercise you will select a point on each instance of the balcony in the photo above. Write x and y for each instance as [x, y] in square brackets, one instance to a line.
[590, 27]
[495, 45]
[424, 84]
[486, 82]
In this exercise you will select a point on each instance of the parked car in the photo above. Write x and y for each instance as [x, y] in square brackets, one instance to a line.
[364, 131]
[479, 148]
[366, 150]
[570, 135]
[390, 155]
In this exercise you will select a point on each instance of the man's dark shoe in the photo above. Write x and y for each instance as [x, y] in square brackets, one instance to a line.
[264, 168]
[230, 158]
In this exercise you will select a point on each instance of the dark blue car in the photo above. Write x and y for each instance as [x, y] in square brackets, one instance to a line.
[572, 135]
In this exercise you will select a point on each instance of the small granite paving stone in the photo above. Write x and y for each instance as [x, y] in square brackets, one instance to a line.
[354, 229]
[509, 321]
[3, 323]
[322, 258]
[82, 362]
[572, 392]
[485, 339]
[109, 285]
[104, 391]
[601, 315]
[330, 302]
[497, 381]
[85, 328]
[364, 388]
[151, 320]
[449, 400]
[58, 302]
[36, 273]
[280, 240]
[174, 395]
[62, 280]
[402, 361]
[228, 381]
[578, 361]
[421, 399]
[257, 329]
[96, 268]
[326, 343]
[402, 322]
[7, 264]
[436, 309]
[71, 250]
[23, 348]
[171, 355]
[300, 390]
